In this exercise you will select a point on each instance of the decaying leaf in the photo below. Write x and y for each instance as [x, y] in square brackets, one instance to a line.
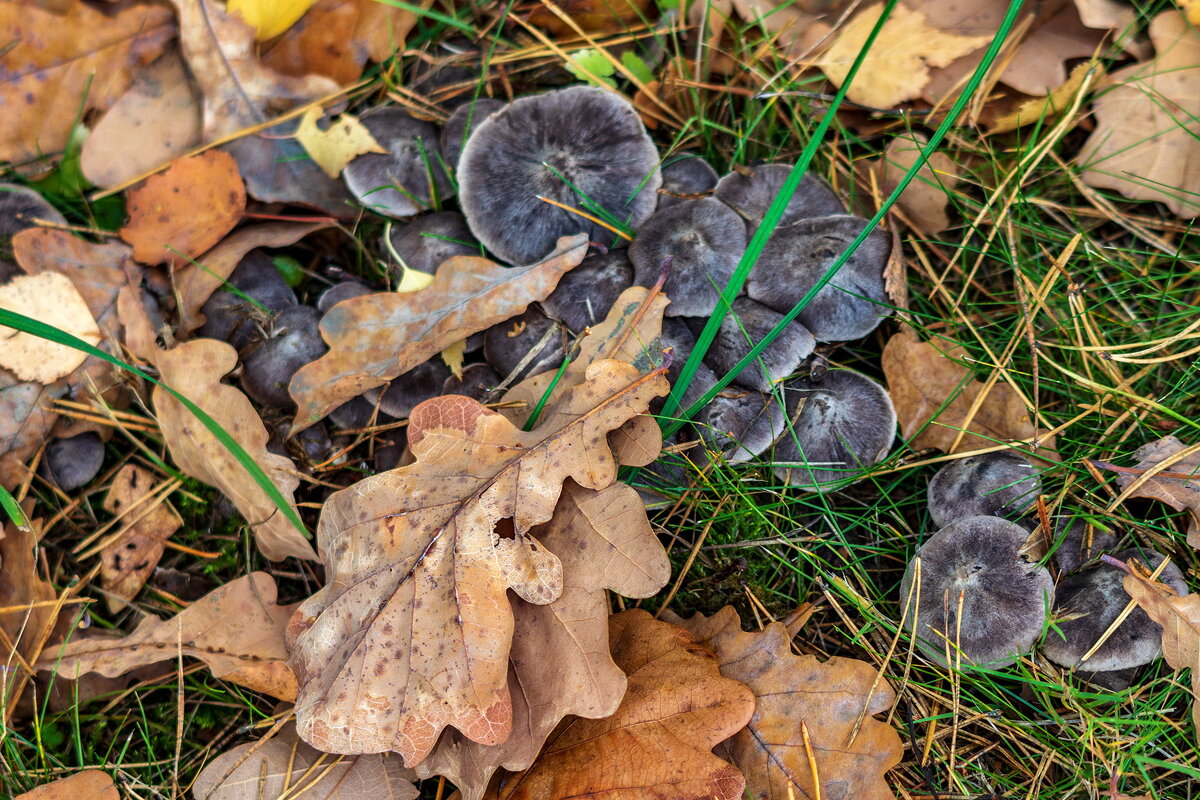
[897, 67]
[1177, 485]
[35, 620]
[90, 784]
[1180, 621]
[376, 337]
[604, 541]
[147, 522]
[412, 631]
[178, 214]
[26, 417]
[592, 16]
[53, 66]
[1083, 77]
[829, 698]
[1147, 139]
[236, 630]
[924, 200]
[659, 742]
[934, 396]
[155, 121]
[337, 145]
[49, 297]
[269, 18]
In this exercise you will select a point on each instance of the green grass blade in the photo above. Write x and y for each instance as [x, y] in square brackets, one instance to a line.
[12, 509]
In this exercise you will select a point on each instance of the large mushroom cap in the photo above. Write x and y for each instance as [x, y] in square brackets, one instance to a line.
[685, 176]
[992, 484]
[1091, 601]
[750, 193]
[511, 344]
[796, 257]
[430, 239]
[582, 146]
[235, 317]
[462, 124]
[974, 564]
[704, 240]
[747, 325]
[409, 390]
[840, 425]
[1081, 542]
[409, 178]
[584, 295]
[740, 423]
[295, 340]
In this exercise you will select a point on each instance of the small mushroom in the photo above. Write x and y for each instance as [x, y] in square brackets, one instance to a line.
[678, 337]
[839, 426]
[582, 147]
[585, 294]
[747, 325]
[19, 207]
[73, 462]
[508, 345]
[356, 414]
[430, 239]
[416, 386]
[740, 423]
[750, 192]
[409, 178]
[704, 241]
[993, 484]
[462, 124]
[259, 290]
[796, 257]
[477, 382]
[974, 565]
[1089, 602]
[685, 176]
[1082, 542]
[295, 340]
[311, 446]
[339, 292]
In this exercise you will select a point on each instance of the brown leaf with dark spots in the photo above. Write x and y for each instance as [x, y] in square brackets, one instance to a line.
[376, 337]
[178, 214]
[1180, 621]
[413, 629]
[236, 630]
[829, 697]
[128, 562]
[1178, 485]
[658, 743]
[90, 784]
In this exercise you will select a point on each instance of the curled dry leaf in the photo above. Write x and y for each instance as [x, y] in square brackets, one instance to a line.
[1180, 621]
[791, 689]
[21, 587]
[413, 630]
[147, 523]
[50, 298]
[56, 66]
[91, 784]
[1083, 78]
[924, 201]
[1177, 485]
[178, 214]
[659, 741]
[337, 145]
[284, 766]
[375, 337]
[236, 630]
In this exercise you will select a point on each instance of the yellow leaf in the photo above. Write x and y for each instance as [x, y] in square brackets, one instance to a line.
[453, 357]
[269, 18]
[337, 146]
[413, 280]
[897, 67]
[1039, 108]
[1191, 9]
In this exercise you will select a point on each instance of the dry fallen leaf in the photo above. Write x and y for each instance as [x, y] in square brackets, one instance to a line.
[1180, 621]
[924, 200]
[178, 214]
[49, 297]
[90, 784]
[412, 631]
[337, 145]
[21, 587]
[592, 16]
[1178, 484]
[659, 742]
[55, 66]
[26, 417]
[376, 337]
[284, 766]
[829, 697]
[897, 67]
[1083, 77]
[1147, 139]
[236, 630]
[157, 120]
[147, 522]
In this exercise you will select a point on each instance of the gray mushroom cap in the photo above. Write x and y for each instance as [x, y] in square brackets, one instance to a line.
[409, 178]
[704, 240]
[796, 257]
[339, 292]
[677, 336]
[684, 176]
[425, 242]
[585, 295]
[1004, 598]
[407, 391]
[507, 344]
[740, 423]
[1081, 543]
[19, 207]
[839, 426]
[231, 317]
[477, 382]
[72, 462]
[993, 484]
[462, 123]
[356, 413]
[294, 340]
[747, 325]
[595, 142]
[1092, 600]
[751, 191]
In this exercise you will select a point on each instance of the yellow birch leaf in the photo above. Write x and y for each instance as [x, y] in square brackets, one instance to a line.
[269, 18]
[412, 280]
[453, 357]
[338, 145]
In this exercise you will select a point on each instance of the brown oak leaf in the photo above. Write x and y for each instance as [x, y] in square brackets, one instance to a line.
[829, 697]
[413, 629]
[1178, 484]
[22, 587]
[148, 522]
[90, 784]
[1179, 617]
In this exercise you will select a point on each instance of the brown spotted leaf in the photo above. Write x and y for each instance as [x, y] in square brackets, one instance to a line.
[147, 522]
[413, 629]
[376, 337]
[829, 697]
[1177, 484]
[90, 784]
[237, 630]
[659, 742]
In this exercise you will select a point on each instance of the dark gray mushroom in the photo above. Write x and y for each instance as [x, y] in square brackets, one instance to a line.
[430, 239]
[704, 241]
[746, 326]
[685, 176]
[409, 178]
[506, 346]
[73, 462]
[1081, 542]
[838, 426]
[405, 392]
[678, 337]
[258, 291]
[294, 340]
[1089, 603]
[582, 147]
[309, 447]
[740, 423]
[796, 258]
[19, 207]
[462, 124]
[993, 484]
[356, 414]
[477, 382]
[584, 295]
[339, 292]
[974, 565]
[750, 191]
